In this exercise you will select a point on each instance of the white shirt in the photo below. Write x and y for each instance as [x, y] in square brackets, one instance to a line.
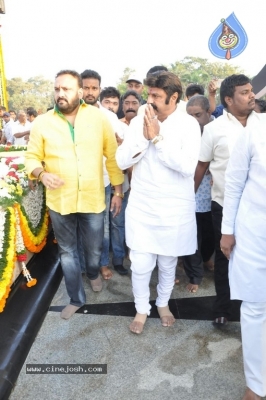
[17, 127]
[217, 142]
[244, 214]
[8, 131]
[116, 125]
[160, 216]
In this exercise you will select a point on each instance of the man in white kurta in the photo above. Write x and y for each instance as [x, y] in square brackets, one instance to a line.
[244, 233]
[163, 147]
[218, 140]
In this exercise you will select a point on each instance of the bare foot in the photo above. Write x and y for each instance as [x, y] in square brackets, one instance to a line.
[177, 281]
[250, 395]
[209, 265]
[166, 316]
[192, 288]
[106, 273]
[137, 324]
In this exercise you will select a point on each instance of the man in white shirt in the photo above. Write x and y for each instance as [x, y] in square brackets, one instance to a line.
[91, 81]
[218, 140]
[21, 129]
[243, 243]
[7, 137]
[163, 147]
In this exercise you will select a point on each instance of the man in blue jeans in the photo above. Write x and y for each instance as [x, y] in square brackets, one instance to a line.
[71, 140]
[91, 82]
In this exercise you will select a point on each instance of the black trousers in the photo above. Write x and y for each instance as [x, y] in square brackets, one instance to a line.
[193, 264]
[223, 306]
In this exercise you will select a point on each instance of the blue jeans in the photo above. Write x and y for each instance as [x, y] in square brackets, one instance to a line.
[118, 233]
[104, 261]
[90, 227]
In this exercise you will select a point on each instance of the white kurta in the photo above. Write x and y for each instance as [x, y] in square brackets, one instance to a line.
[244, 214]
[160, 216]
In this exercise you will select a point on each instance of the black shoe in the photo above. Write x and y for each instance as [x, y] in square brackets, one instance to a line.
[120, 269]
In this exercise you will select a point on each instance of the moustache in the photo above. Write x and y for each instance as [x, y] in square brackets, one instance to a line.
[131, 111]
[154, 106]
[61, 98]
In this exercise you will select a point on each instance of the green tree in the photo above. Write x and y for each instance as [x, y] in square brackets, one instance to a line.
[190, 70]
[122, 86]
[201, 70]
[36, 92]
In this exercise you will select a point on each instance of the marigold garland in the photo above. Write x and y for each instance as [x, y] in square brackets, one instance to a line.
[19, 229]
[34, 243]
[8, 256]
[21, 252]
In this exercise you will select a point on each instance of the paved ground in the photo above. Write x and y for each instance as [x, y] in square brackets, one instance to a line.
[191, 360]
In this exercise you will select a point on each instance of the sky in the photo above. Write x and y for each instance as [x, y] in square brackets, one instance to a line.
[41, 37]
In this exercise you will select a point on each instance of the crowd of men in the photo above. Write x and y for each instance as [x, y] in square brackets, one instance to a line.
[121, 172]
[16, 126]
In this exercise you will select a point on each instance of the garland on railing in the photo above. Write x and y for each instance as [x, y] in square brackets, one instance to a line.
[23, 222]
[21, 251]
[7, 252]
[34, 238]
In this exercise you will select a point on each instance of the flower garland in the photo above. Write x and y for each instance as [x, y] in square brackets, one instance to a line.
[21, 252]
[34, 240]
[23, 221]
[13, 181]
[7, 252]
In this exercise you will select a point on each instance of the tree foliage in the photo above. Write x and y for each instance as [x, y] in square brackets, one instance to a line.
[36, 92]
[201, 71]
[122, 86]
[190, 70]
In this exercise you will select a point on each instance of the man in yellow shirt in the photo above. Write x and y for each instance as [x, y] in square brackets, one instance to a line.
[72, 139]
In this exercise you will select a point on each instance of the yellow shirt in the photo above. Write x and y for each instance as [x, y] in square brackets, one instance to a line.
[78, 161]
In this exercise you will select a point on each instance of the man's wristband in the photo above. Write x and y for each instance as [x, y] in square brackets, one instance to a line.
[119, 195]
[40, 175]
[157, 139]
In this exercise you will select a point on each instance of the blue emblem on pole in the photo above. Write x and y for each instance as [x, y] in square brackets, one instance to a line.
[229, 39]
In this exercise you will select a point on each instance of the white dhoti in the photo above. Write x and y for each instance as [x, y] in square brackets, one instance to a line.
[142, 265]
[253, 329]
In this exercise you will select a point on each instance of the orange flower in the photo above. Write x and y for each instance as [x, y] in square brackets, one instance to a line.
[32, 282]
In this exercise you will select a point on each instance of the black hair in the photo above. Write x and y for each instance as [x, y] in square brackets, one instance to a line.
[32, 112]
[199, 100]
[109, 91]
[168, 81]
[229, 84]
[262, 105]
[156, 68]
[131, 93]
[193, 89]
[90, 74]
